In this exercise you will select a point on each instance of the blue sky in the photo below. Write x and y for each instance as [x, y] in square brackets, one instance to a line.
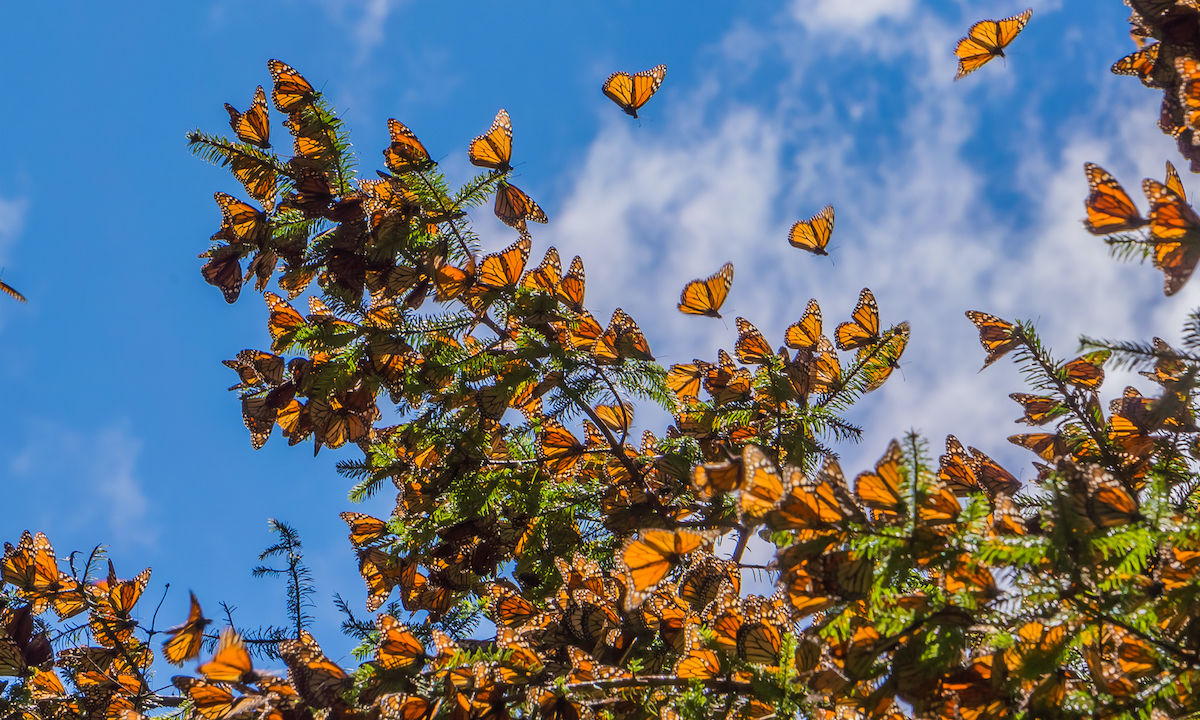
[950, 196]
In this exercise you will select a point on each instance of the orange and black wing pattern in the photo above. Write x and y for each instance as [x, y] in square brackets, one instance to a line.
[705, 297]
[254, 125]
[514, 207]
[987, 39]
[1109, 207]
[1175, 230]
[292, 92]
[631, 92]
[814, 233]
[493, 149]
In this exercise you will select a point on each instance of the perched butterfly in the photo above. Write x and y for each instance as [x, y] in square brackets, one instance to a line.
[1176, 229]
[364, 529]
[11, 291]
[184, 641]
[1109, 207]
[514, 207]
[760, 485]
[813, 234]
[493, 149]
[32, 567]
[406, 152]
[1142, 64]
[705, 297]
[987, 39]
[240, 221]
[571, 288]
[292, 92]
[1087, 371]
[317, 679]
[252, 126]
[622, 339]
[631, 92]
[1174, 183]
[863, 326]
[997, 336]
[684, 379]
[750, 629]
[503, 269]
[649, 557]
[398, 648]
[616, 417]
[1188, 69]
[231, 662]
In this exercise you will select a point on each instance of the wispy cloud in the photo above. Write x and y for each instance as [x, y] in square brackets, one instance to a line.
[925, 218]
[12, 221]
[840, 16]
[89, 476]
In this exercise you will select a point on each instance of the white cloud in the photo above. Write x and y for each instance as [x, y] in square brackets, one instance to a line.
[840, 16]
[89, 476]
[918, 221]
[12, 221]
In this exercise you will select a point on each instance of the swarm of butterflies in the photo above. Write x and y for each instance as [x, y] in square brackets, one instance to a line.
[729, 568]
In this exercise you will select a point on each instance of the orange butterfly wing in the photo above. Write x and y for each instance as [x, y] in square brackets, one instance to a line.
[254, 125]
[514, 207]
[996, 335]
[705, 297]
[1109, 207]
[406, 152]
[631, 92]
[987, 39]
[503, 269]
[12, 292]
[814, 233]
[1176, 228]
[863, 326]
[493, 149]
[292, 92]
[805, 334]
[184, 642]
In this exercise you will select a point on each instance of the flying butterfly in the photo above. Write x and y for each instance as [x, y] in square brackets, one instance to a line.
[231, 662]
[1109, 207]
[705, 297]
[254, 125]
[631, 92]
[814, 233]
[1176, 229]
[292, 92]
[184, 640]
[997, 336]
[493, 149]
[987, 39]
[11, 291]
[863, 327]
[514, 207]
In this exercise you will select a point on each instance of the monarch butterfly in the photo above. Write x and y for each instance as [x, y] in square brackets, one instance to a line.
[997, 336]
[705, 297]
[883, 357]
[570, 289]
[760, 485]
[881, 490]
[503, 269]
[1143, 64]
[214, 701]
[508, 608]
[1109, 207]
[252, 126]
[231, 662]
[751, 347]
[649, 557]
[706, 579]
[559, 449]
[1039, 409]
[987, 39]
[240, 221]
[514, 207]
[617, 417]
[184, 640]
[493, 149]
[292, 92]
[622, 339]
[12, 292]
[406, 153]
[398, 706]
[697, 660]
[521, 660]
[117, 597]
[863, 326]
[1087, 371]
[806, 333]
[820, 506]
[547, 274]
[22, 650]
[684, 379]
[631, 92]
[749, 630]
[398, 648]
[825, 372]
[1176, 228]
[1188, 70]
[364, 529]
[33, 568]
[1174, 183]
[317, 679]
[348, 417]
[813, 234]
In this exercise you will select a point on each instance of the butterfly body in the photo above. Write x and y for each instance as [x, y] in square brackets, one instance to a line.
[705, 297]
[631, 92]
[986, 40]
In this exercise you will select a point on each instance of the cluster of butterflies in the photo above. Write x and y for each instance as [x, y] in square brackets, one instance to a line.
[1166, 59]
[1172, 236]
